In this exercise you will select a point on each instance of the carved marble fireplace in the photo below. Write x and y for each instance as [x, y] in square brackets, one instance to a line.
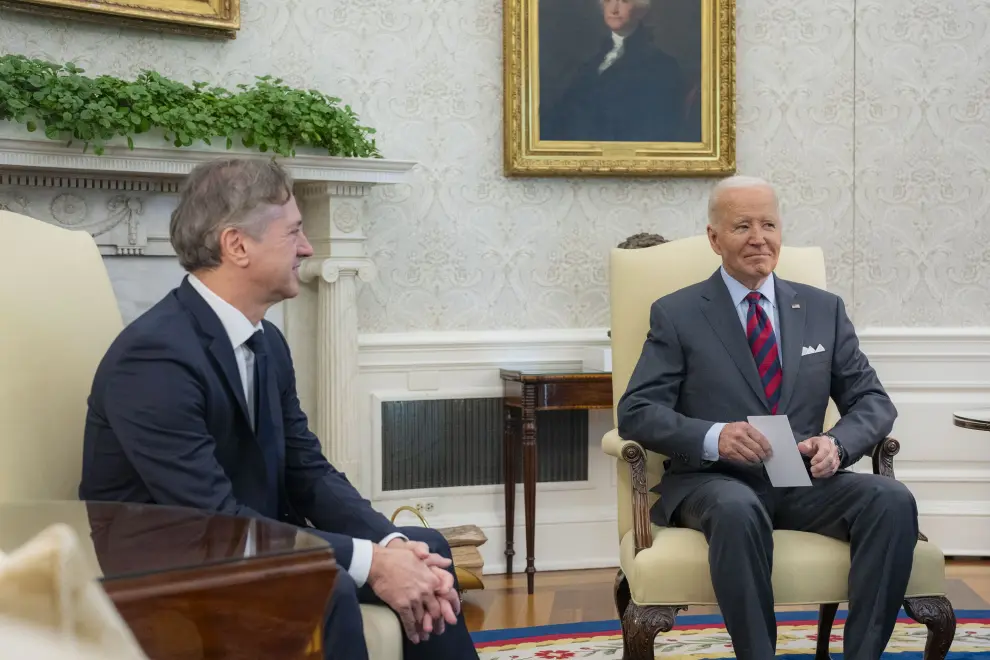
[124, 197]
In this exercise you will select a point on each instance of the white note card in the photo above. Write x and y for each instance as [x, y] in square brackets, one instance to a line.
[786, 467]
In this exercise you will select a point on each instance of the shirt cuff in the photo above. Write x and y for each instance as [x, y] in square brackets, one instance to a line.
[391, 537]
[362, 554]
[360, 561]
[710, 450]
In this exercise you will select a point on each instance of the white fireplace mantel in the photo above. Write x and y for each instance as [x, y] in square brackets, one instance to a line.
[153, 157]
[124, 198]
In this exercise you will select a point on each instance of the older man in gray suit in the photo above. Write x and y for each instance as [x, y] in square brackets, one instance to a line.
[734, 346]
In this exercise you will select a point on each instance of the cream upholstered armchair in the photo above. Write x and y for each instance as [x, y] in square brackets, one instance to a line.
[664, 570]
[60, 315]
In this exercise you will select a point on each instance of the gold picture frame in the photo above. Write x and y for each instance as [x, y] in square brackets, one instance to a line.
[211, 18]
[590, 146]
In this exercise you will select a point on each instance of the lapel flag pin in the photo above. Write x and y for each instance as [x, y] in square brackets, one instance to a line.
[796, 306]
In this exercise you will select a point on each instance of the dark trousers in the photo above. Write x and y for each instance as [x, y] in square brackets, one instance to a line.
[876, 515]
[343, 635]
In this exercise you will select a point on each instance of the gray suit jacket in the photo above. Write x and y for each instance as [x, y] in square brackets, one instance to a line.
[696, 369]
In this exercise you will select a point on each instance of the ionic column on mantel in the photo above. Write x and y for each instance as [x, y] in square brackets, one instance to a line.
[327, 303]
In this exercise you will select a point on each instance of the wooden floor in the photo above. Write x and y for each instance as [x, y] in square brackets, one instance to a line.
[575, 596]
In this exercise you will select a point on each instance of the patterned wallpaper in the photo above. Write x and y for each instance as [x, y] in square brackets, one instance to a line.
[871, 116]
[923, 162]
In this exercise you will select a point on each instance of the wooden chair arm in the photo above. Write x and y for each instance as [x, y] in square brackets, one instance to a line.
[633, 453]
[883, 457]
[883, 463]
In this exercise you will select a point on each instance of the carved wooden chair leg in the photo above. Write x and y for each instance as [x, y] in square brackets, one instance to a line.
[641, 625]
[621, 592]
[938, 616]
[826, 617]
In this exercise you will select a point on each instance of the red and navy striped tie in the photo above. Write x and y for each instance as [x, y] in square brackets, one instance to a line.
[763, 343]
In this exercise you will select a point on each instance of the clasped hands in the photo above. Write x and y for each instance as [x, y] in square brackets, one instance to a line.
[742, 443]
[415, 583]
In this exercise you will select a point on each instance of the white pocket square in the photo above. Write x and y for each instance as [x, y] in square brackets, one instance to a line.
[810, 350]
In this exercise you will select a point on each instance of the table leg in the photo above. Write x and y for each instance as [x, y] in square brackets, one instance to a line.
[529, 478]
[509, 477]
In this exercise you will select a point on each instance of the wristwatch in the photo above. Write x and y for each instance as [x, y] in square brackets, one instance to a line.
[838, 446]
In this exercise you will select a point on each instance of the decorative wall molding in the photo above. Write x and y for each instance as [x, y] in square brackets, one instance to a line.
[915, 342]
[81, 182]
[955, 509]
[335, 189]
[124, 217]
[920, 344]
[936, 385]
[486, 339]
[929, 372]
[938, 475]
[474, 350]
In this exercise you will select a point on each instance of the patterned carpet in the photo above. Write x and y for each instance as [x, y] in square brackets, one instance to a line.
[700, 637]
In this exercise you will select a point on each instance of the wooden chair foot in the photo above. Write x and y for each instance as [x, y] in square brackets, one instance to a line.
[938, 616]
[641, 625]
[621, 593]
[826, 617]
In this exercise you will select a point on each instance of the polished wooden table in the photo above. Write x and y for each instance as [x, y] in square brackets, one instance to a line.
[978, 420]
[194, 585]
[526, 392]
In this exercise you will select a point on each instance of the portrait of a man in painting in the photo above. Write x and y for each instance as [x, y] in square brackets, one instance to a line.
[620, 70]
[619, 87]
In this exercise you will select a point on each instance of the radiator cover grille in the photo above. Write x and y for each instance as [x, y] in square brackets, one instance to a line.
[443, 443]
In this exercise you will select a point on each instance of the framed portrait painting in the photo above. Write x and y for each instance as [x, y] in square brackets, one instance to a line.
[212, 18]
[619, 87]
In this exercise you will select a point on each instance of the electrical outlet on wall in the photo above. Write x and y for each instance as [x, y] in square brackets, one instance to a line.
[425, 506]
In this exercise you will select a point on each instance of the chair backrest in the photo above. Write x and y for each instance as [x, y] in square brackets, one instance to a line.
[59, 317]
[637, 278]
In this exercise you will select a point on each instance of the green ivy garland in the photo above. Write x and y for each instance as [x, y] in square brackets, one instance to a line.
[267, 116]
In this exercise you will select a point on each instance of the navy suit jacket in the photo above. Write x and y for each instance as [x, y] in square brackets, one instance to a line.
[167, 424]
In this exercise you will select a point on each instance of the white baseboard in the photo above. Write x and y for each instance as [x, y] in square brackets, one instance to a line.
[544, 566]
[559, 546]
[929, 373]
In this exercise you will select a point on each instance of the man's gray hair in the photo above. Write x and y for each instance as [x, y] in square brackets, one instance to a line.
[642, 4]
[732, 183]
[224, 193]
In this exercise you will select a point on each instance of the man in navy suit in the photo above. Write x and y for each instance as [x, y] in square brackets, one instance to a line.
[195, 405]
[746, 342]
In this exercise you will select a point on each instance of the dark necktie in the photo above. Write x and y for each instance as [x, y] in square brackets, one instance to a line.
[263, 423]
[763, 344]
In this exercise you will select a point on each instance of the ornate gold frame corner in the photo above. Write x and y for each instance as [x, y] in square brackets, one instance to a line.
[526, 156]
[205, 18]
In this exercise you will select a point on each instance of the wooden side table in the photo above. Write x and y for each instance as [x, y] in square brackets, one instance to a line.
[978, 420]
[524, 393]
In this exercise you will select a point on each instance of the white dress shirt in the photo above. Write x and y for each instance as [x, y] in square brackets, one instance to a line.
[768, 302]
[239, 329]
[614, 54]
